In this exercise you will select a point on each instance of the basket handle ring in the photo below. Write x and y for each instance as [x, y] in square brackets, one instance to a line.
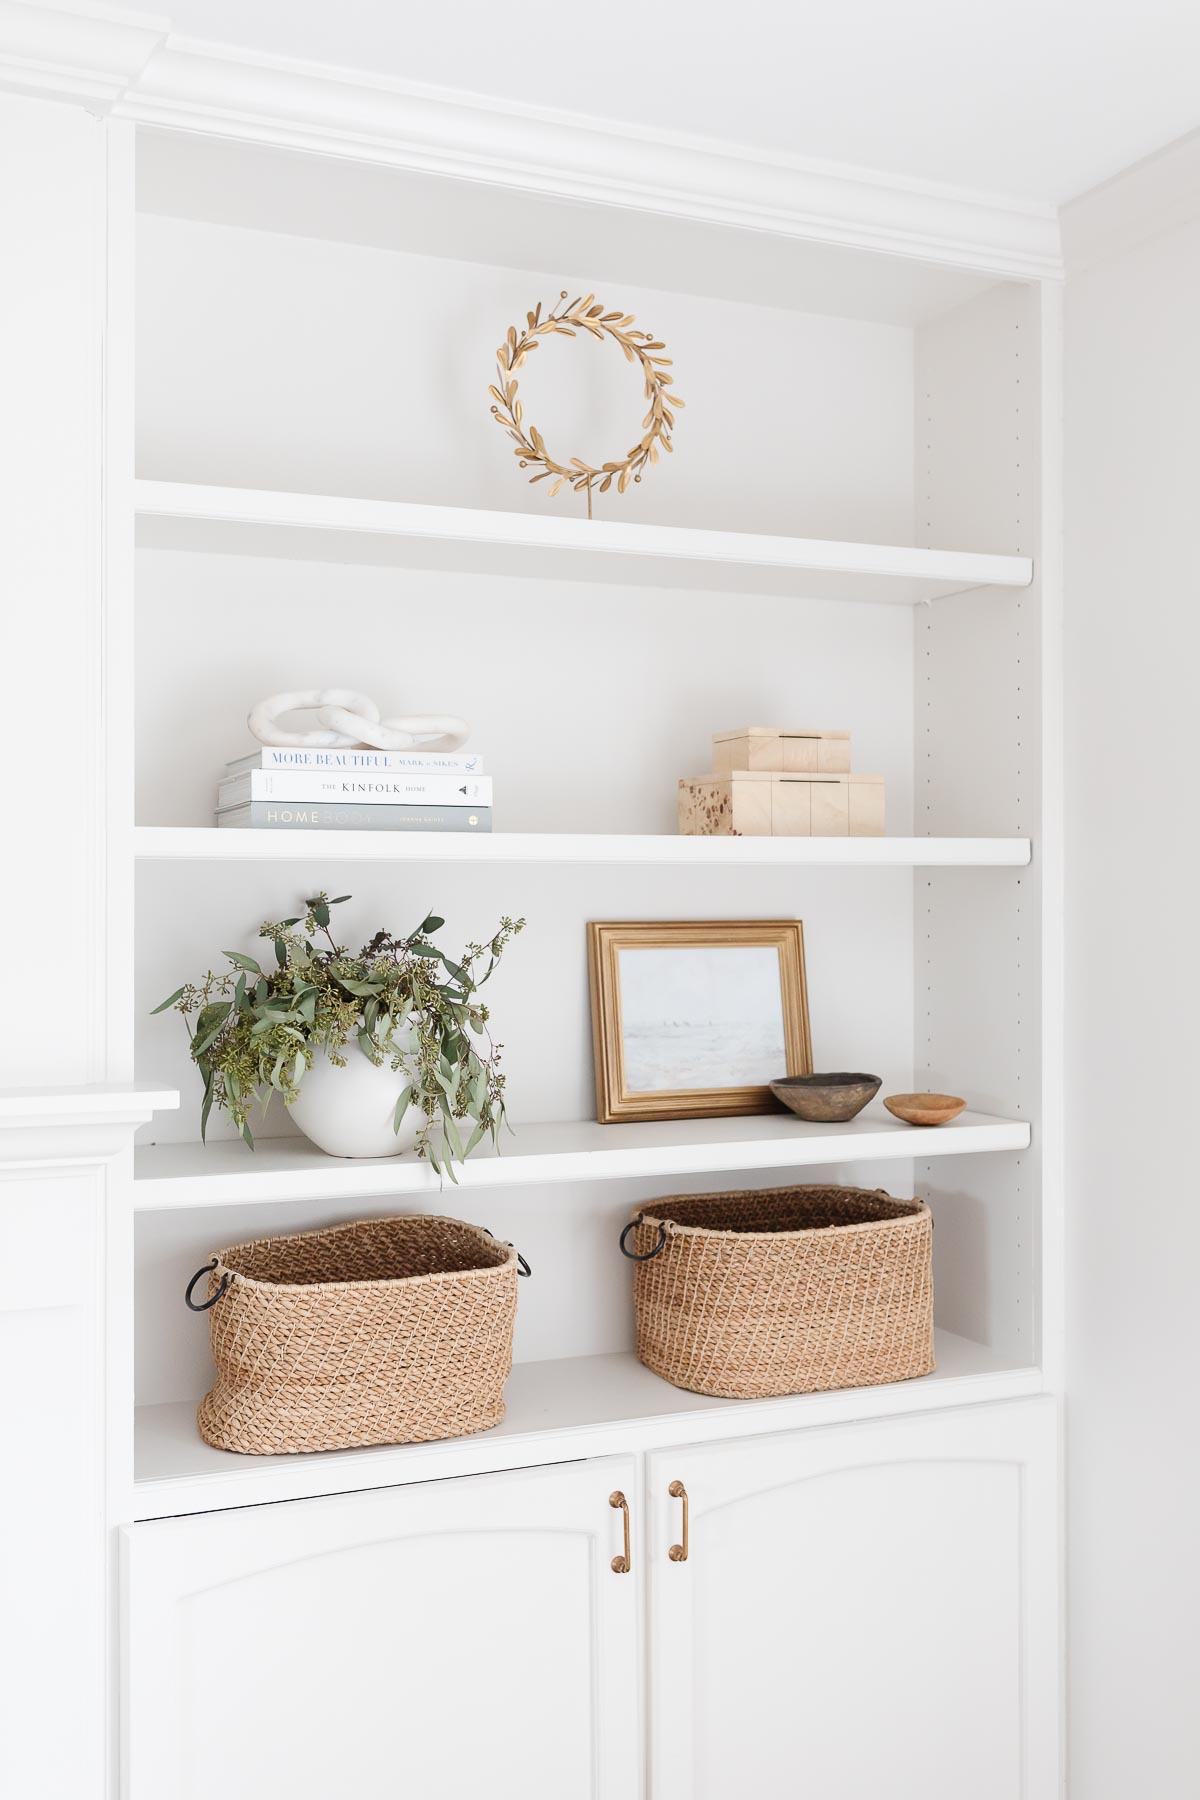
[203, 1305]
[647, 1255]
[523, 1267]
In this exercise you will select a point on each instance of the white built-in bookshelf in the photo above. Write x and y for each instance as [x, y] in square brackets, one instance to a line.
[315, 504]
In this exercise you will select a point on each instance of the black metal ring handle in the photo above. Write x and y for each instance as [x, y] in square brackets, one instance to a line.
[523, 1267]
[647, 1255]
[204, 1305]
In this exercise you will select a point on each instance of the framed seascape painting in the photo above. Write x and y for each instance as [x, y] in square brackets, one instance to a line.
[692, 1020]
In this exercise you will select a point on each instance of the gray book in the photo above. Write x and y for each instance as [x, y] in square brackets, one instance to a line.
[273, 815]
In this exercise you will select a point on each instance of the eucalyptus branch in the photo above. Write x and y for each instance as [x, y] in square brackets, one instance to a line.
[399, 1000]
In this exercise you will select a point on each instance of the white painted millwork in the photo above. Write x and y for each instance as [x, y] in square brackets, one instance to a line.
[792, 1643]
[557, 1411]
[184, 843]
[64, 1172]
[448, 1640]
[865, 1610]
[185, 1175]
[176, 515]
[317, 469]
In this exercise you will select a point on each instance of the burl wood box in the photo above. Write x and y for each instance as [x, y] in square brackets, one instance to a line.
[788, 752]
[762, 803]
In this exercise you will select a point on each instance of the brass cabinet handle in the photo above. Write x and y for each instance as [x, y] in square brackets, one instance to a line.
[621, 1565]
[679, 1552]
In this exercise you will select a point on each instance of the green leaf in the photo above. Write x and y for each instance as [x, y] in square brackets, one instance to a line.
[337, 901]
[360, 989]
[432, 923]
[478, 1133]
[209, 1024]
[281, 953]
[242, 962]
[456, 969]
[206, 1108]
[169, 1001]
[246, 1133]
[320, 913]
[452, 1136]
[402, 1106]
[427, 951]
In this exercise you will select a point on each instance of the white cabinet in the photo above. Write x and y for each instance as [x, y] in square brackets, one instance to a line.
[865, 1610]
[442, 1641]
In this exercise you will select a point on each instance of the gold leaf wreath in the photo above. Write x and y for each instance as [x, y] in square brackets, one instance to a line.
[585, 314]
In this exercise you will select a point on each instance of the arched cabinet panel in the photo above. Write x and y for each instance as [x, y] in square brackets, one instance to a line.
[863, 1610]
[442, 1641]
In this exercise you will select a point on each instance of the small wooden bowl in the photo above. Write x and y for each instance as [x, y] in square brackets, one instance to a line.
[925, 1109]
[826, 1099]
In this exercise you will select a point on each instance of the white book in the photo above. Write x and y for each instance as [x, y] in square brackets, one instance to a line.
[264, 815]
[425, 762]
[357, 787]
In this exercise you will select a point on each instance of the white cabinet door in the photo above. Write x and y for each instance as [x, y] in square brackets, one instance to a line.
[865, 1611]
[436, 1642]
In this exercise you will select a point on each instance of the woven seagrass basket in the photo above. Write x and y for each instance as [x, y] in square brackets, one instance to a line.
[783, 1291]
[385, 1331]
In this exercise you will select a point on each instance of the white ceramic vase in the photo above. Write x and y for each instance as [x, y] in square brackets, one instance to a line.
[348, 1112]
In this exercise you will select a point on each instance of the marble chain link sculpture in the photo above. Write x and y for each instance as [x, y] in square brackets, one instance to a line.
[346, 720]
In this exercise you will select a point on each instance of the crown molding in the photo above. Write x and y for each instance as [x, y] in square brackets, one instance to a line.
[131, 65]
[82, 53]
[266, 100]
[1156, 195]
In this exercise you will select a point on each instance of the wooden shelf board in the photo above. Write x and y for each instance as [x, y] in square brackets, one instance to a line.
[158, 843]
[226, 1173]
[557, 1411]
[327, 528]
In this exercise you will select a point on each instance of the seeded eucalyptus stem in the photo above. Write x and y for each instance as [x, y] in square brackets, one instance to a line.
[399, 1001]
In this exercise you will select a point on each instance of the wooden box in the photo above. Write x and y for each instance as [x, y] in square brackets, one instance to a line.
[761, 803]
[783, 751]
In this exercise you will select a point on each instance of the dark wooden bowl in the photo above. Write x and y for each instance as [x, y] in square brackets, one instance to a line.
[826, 1099]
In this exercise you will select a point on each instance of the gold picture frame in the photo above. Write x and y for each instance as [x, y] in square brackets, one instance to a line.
[634, 1054]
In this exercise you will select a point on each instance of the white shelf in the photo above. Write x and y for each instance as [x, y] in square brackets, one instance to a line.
[324, 528]
[226, 1173]
[557, 1412]
[205, 843]
[107, 1102]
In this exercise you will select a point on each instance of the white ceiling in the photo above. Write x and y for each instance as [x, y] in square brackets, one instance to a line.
[1032, 99]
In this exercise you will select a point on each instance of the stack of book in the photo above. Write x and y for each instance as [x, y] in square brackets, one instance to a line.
[356, 790]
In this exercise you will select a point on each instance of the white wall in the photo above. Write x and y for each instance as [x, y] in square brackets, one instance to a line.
[1133, 970]
[273, 361]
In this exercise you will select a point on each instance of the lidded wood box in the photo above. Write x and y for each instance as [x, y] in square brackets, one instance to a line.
[765, 803]
[782, 751]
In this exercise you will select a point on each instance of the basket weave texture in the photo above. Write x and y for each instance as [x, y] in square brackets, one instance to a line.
[385, 1331]
[785, 1290]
